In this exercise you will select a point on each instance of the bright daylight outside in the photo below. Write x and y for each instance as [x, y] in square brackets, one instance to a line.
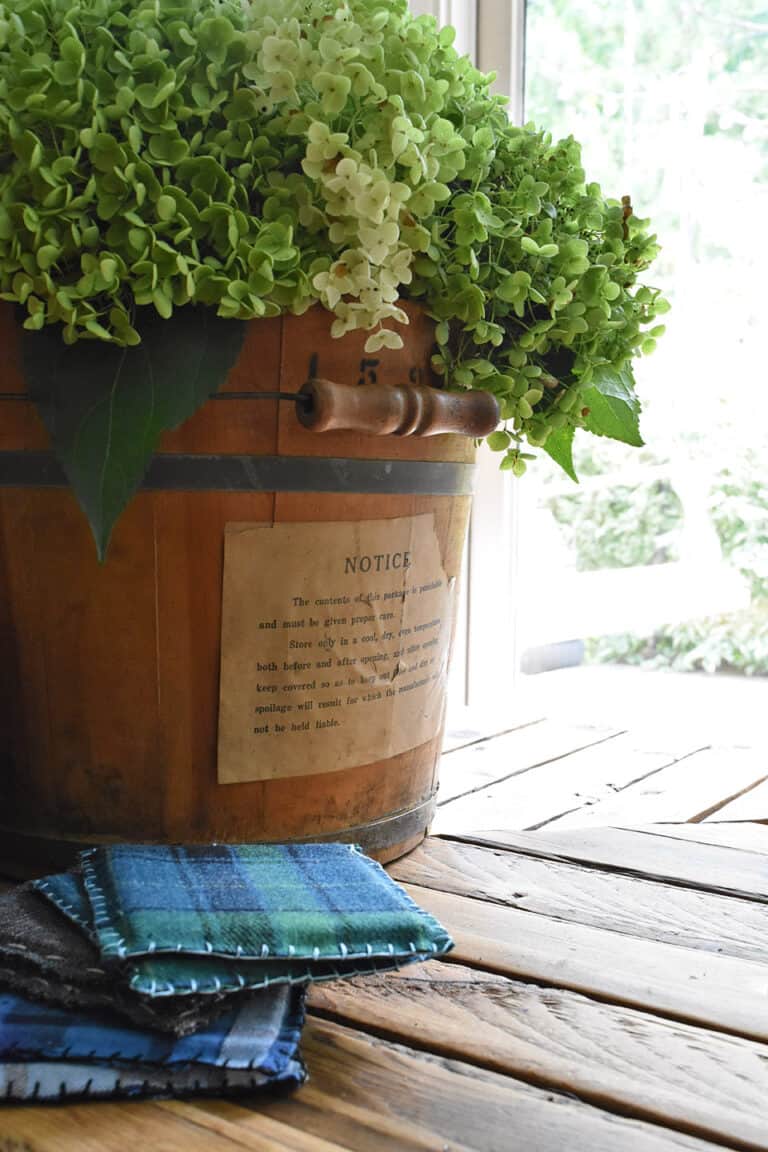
[658, 559]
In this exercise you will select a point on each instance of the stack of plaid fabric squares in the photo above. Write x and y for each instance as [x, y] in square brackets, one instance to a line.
[156, 970]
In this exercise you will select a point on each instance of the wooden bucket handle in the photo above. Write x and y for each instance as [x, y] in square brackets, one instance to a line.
[395, 409]
[377, 409]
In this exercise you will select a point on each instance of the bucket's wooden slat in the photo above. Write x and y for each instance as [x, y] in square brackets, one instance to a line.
[88, 668]
[239, 426]
[20, 425]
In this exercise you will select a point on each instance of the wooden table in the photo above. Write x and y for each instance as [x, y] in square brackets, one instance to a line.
[608, 993]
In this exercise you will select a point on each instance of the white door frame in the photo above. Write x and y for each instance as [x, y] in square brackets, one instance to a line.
[485, 657]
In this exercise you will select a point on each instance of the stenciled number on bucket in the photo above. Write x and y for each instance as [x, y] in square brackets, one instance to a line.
[367, 369]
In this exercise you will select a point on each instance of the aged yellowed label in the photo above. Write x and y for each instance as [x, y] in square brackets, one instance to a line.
[334, 648]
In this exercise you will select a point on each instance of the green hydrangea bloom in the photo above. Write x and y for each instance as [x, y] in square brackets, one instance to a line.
[260, 158]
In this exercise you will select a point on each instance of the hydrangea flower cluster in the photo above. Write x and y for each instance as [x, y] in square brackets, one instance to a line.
[261, 158]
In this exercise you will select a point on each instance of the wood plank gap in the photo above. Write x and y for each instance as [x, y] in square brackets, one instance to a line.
[609, 999]
[493, 735]
[709, 990]
[530, 768]
[626, 906]
[445, 1103]
[618, 791]
[696, 783]
[709, 834]
[478, 840]
[729, 800]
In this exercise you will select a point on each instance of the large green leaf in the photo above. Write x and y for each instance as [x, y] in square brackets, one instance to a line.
[105, 407]
[618, 383]
[559, 445]
[614, 409]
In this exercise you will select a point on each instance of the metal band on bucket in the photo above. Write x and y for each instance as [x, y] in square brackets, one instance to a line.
[201, 473]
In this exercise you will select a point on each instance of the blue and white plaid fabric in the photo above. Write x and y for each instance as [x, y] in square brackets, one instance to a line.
[59, 1082]
[262, 1032]
[54, 1054]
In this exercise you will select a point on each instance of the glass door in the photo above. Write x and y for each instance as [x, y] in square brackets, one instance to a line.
[658, 559]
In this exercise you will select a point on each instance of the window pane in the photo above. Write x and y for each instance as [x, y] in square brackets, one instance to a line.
[660, 557]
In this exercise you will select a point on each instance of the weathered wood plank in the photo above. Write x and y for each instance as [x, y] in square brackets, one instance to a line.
[477, 731]
[487, 761]
[650, 852]
[374, 1096]
[239, 1124]
[641, 908]
[748, 837]
[107, 1127]
[688, 790]
[715, 991]
[700, 1082]
[750, 806]
[584, 776]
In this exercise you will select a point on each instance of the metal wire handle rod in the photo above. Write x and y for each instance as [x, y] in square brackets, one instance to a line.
[296, 397]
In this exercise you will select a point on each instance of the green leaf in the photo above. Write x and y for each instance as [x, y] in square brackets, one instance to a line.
[612, 417]
[614, 408]
[499, 441]
[559, 445]
[105, 406]
[616, 382]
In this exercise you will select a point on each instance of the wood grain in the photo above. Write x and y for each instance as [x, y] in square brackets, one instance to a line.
[588, 772]
[19, 421]
[655, 852]
[675, 1075]
[462, 735]
[469, 769]
[720, 992]
[747, 837]
[253, 1131]
[688, 790]
[107, 1127]
[373, 1096]
[643, 908]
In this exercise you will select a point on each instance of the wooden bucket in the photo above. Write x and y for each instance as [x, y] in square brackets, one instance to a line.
[109, 675]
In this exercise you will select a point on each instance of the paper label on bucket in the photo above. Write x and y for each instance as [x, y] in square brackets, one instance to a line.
[334, 645]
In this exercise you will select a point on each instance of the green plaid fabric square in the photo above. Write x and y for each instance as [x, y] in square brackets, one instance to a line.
[214, 918]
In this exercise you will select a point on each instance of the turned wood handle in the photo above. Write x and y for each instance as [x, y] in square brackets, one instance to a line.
[395, 409]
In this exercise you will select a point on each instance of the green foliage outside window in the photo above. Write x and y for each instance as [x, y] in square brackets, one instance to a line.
[671, 99]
